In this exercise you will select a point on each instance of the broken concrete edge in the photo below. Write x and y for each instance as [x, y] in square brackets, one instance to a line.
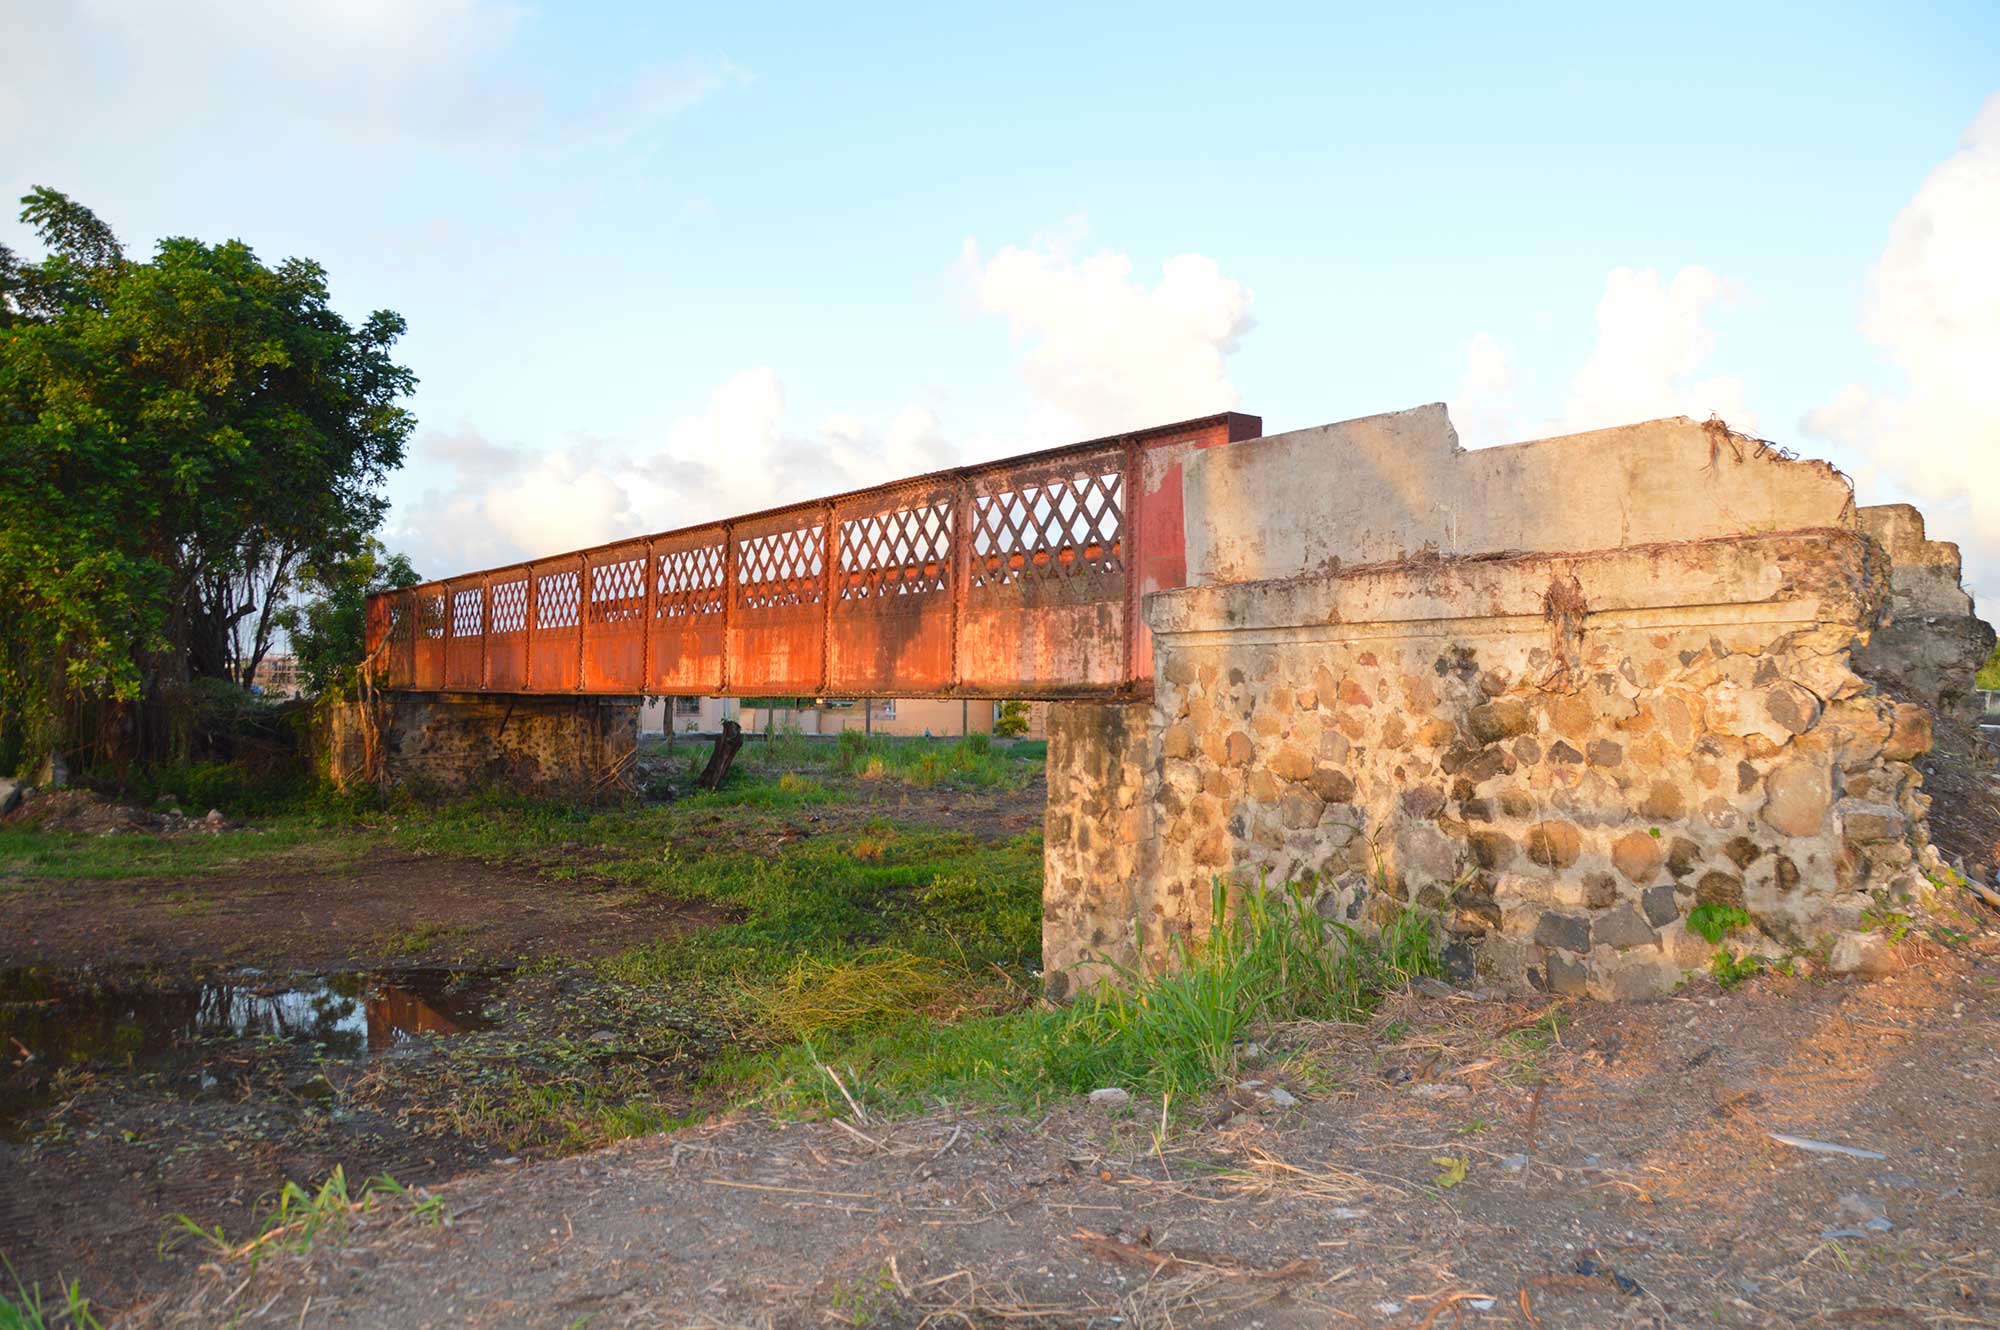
[1398, 487]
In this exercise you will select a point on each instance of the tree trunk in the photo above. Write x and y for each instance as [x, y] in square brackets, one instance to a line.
[726, 745]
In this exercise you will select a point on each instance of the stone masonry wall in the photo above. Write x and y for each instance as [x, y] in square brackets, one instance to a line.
[564, 747]
[1929, 644]
[1562, 693]
[1098, 841]
[1564, 821]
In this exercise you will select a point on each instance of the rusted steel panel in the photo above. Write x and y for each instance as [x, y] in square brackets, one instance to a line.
[555, 653]
[892, 586]
[776, 642]
[403, 639]
[465, 636]
[1018, 578]
[1045, 600]
[615, 641]
[433, 627]
[685, 655]
[507, 631]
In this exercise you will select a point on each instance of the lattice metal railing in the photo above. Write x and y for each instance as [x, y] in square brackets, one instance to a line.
[1019, 578]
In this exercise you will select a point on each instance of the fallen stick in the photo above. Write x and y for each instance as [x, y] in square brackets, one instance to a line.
[1461, 1295]
[1812, 1146]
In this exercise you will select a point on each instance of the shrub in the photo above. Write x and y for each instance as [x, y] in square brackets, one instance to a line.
[1012, 722]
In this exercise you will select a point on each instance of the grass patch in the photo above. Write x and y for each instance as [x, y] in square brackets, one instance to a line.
[58, 856]
[27, 1309]
[972, 762]
[1174, 1034]
[421, 937]
[302, 1216]
[945, 896]
[817, 998]
[892, 963]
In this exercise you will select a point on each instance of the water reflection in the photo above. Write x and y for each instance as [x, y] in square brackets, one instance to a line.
[54, 1019]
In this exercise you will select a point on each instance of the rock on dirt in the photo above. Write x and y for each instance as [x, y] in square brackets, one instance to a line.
[1110, 1097]
[10, 796]
[84, 812]
[1868, 954]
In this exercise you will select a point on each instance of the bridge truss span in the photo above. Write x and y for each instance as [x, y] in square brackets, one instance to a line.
[1020, 578]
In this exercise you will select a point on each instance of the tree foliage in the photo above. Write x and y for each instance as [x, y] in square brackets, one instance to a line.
[183, 435]
[328, 630]
[1012, 722]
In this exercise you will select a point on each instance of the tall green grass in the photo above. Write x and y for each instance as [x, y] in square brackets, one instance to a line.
[27, 1309]
[973, 761]
[1176, 1032]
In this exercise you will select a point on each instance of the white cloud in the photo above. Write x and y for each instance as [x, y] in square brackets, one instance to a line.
[471, 455]
[504, 503]
[1653, 341]
[1103, 353]
[1652, 338]
[362, 74]
[1934, 309]
[1106, 352]
[1485, 400]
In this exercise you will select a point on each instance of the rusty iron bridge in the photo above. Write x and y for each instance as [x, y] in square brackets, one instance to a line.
[1021, 578]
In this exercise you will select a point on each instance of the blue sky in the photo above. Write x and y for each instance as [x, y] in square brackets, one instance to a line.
[663, 263]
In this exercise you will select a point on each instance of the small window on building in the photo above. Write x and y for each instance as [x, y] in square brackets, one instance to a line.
[687, 706]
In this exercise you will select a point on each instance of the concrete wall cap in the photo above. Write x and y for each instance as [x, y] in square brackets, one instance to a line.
[1398, 486]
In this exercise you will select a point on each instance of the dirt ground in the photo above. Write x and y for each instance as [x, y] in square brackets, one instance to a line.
[1474, 1161]
[306, 916]
[1462, 1159]
[97, 1158]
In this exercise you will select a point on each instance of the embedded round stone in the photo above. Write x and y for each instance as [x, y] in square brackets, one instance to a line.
[1637, 855]
[1797, 797]
[1911, 736]
[1660, 905]
[1719, 888]
[1866, 823]
[1333, 785]
[1569, 931]
[1491, 722]
[1554, 844]
[1621, 928]
[1665, 801]
[1291, 763]
[1491, 849]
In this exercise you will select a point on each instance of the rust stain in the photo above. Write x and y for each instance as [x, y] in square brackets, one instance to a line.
[1015, 579]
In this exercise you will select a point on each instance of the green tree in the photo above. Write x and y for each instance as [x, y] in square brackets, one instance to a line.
[183, 435]
[1012, 722]
[1989, 673]
[328, 629]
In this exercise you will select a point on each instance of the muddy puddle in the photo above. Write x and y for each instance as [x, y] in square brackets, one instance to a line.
[54, 1022]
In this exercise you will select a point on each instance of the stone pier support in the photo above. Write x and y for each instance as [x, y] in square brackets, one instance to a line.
[1585, 700]
[455, 743]
[1099, 843]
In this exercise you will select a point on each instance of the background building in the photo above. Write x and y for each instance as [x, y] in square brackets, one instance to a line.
[939, 717]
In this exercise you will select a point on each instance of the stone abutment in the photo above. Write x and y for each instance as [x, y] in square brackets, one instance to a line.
[1563, 694]
[452, 743]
